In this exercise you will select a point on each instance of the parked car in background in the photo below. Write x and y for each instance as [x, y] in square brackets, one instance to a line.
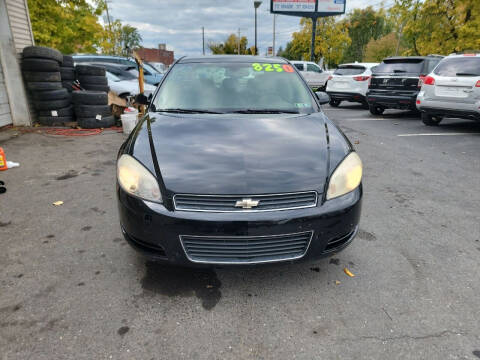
[396, 82]
[451, 90]
[313, 74]
[152, 76]
[349, 82]
[160, 67]
[127, 88]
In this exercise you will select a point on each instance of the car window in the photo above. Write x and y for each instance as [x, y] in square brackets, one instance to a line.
[349, 70]
[234, 87]
[468, 66]
[314, 68]
[111, 76]
[431, 65]
[400, 66]
[299, 66]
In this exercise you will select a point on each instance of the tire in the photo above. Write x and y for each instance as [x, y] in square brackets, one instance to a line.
[90, 70]
[376, 110]
[43, 86]
[67, 61]
[40, 65]
[68, 85]
[67, 73]
[89, 98]
[335, 103]
[92, 123]
[430, 120]
[67, 111]
[42, 76]
[92, 80]
[51, 95]
[85, 111]
[103, 88]
[54, 120]
[42, 52]
[52, 104]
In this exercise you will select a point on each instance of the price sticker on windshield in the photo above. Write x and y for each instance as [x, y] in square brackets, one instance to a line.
[273, 67]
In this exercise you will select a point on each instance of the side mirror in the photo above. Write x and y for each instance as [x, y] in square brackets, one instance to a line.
[141, 99]
[322, 97]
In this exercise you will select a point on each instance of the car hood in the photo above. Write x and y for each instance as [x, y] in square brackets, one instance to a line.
[237, 154]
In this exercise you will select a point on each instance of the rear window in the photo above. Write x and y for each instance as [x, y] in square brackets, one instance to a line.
[400, 66]
[459, 66]
[349, 70]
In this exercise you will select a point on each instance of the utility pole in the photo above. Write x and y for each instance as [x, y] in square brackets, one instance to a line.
[203, 39]
[274, 17]
[314, 33]
[238, 42]
[109, 22]
[256, 4]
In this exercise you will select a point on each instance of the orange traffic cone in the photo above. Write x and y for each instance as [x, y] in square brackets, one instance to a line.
[3, 160]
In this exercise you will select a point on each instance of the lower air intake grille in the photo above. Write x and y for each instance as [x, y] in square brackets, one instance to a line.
[245, 249]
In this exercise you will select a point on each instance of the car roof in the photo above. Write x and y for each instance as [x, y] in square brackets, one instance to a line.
[413, 57]
[102, 56]
[359, 64]
[230, 59]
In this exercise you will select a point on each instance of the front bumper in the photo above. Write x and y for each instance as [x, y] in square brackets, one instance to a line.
[344, 96]
[155, 231]
[393, 101]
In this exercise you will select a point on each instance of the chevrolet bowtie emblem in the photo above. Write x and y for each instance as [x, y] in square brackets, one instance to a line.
[246, 203]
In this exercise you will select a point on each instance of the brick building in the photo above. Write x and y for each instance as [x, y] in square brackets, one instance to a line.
[161, 55]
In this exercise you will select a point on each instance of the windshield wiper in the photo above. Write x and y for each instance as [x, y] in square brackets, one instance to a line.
[188, 111]
[466, 74]
[264, 111]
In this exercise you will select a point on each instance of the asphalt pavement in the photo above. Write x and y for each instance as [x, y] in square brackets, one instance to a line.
[71, 288]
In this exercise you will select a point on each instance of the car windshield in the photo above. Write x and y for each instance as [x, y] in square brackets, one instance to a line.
[400, 66]
[349, 70]
[234, 87]
[459, 66]
[126, 75]
[150, 68]
[111, 76]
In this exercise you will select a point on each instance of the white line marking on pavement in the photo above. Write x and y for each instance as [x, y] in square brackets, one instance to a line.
[439, 134]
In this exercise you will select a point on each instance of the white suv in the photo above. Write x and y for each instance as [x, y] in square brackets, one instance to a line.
[451, 90]
[349, 82]
[312, 73]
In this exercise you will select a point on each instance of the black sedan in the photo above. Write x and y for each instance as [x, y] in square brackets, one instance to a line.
[235, 163]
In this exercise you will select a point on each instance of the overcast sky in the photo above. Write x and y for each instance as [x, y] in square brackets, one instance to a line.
[178, 23]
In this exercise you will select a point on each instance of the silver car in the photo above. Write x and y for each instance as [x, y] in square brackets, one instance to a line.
[451, 90]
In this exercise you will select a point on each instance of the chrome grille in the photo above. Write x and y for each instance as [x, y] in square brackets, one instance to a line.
[226, 203]
[245, 249]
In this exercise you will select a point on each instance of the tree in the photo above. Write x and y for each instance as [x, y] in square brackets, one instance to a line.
[67, 25]
[330, 42]
[377, 50]
[439, 26]
[363, 25]
[230, 46]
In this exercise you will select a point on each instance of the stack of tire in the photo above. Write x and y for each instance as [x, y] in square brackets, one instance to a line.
[92, 109]
[41, 71]
[92, 77]
[67, 73]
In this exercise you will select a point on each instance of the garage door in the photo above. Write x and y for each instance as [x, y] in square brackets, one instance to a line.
[5, 116]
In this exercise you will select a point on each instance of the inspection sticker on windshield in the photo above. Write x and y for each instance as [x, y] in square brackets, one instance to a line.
[272, 67]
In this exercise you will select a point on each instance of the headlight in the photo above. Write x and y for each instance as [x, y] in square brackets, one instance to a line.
[136, 180]
[346, 177]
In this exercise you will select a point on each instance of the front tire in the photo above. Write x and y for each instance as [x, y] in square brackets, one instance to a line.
[335, 103]
[430, 120]
[376, 110]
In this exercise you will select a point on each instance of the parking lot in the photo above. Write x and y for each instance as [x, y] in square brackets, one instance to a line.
[71, 288]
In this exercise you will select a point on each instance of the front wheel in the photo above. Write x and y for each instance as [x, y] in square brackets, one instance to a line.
[430, 120]
[334, 103]
[376, 110]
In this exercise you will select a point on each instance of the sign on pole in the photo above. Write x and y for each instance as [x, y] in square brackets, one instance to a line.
[308, 8]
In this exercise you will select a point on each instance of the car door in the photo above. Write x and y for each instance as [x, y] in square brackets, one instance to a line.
[314, 75]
